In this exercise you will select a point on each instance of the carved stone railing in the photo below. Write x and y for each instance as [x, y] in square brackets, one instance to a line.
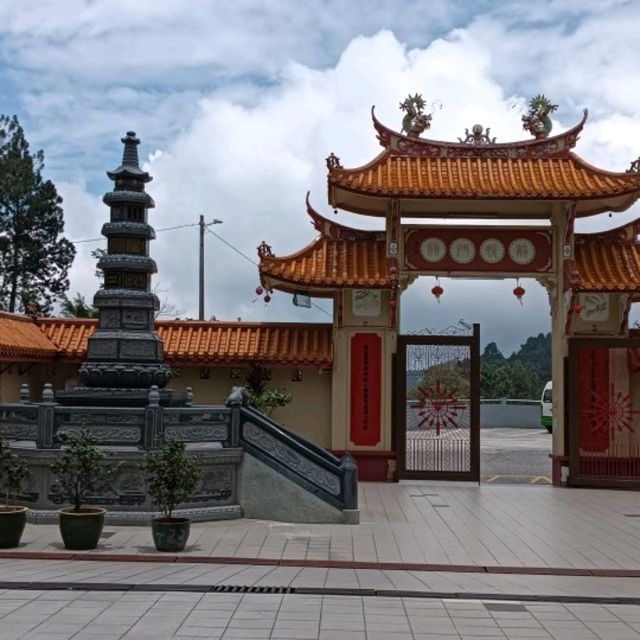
[18, 421]
[332, 479]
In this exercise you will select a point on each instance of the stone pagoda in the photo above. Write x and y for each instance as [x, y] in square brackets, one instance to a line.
[125, 355]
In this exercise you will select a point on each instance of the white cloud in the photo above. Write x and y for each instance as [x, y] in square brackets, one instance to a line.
[238, 107]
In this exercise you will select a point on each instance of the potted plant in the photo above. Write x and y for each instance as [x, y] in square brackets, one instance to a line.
[13, 517]
[171, 478]
[80, 467]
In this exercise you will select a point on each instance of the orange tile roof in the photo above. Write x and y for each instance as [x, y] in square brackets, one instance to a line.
[286, 343]
[189, 341]
[608, 261]
[69, 335]
[20, 338]
[329, 264]
[568, 178]
[540, 170]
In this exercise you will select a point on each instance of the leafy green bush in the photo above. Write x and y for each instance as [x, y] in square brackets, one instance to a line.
[80, 466]
[270, 399]
[171, 475]
[13, 472]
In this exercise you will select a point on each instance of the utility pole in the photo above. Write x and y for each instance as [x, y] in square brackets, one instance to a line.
[203, 226]
[201, 271]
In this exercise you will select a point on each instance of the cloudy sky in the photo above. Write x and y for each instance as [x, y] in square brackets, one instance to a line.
[239, 103]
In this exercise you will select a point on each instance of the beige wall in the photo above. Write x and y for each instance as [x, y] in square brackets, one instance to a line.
[11, 380]
[308, 415]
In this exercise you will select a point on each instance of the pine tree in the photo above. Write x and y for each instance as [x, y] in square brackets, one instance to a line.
[34, 257]
[77, 307]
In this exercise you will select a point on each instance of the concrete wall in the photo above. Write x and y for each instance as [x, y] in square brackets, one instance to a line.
[517, 414]
[266, 494]
[523, 414]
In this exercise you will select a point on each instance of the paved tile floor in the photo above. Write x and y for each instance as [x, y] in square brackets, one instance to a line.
[442, 582]
[60, 615]
[487, 525]
[407, 523]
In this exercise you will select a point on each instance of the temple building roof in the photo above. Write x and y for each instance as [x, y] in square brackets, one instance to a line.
[22, 339]
[466, 179]
[339, 257]
[186, 342]
[608, 261]
[343, 257]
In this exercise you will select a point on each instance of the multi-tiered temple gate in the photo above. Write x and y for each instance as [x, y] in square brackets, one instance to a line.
[591, 280]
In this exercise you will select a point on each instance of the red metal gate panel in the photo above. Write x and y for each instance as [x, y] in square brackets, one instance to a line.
[604, 413]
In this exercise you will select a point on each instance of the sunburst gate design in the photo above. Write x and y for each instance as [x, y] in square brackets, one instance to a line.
[612, 411]
[439, 407]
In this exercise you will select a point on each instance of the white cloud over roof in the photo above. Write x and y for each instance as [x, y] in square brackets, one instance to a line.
[237, 105]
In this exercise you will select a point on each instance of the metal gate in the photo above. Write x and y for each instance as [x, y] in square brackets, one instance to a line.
[438, 406]
[604, 412]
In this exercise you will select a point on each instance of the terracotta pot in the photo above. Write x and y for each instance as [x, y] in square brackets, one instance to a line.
[170, 534]
[12, 521]
[81, 530]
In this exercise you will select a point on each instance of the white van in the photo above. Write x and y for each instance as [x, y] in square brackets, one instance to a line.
[546, 407]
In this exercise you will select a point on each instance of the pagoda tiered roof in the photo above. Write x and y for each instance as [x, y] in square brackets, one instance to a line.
[186, 342]
[461, 179]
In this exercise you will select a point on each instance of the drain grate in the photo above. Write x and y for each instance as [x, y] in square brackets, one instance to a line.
[229, 588]
[632, 515]
[501, 600]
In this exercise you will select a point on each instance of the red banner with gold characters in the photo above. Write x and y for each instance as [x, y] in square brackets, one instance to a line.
[478, 249]
[366, 380]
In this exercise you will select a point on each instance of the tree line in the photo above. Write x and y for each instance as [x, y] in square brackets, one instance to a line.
[522, 375]
[35, 257]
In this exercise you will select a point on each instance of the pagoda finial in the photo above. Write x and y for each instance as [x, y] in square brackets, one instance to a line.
[130, 153]
[130, 167]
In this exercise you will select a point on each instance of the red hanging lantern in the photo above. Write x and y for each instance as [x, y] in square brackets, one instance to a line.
[392, 305]
[577, 308]
[267, 298]
[437, 291]
[519, 292]
[259, 290]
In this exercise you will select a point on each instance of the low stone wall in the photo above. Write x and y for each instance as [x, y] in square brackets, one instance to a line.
[524, 414]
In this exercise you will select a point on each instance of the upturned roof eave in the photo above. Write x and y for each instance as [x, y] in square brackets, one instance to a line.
[375, 205]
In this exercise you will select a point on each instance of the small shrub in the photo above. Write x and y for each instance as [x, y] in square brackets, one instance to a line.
[80, 466]
[13, 473]
[171, 476]
[270, 399]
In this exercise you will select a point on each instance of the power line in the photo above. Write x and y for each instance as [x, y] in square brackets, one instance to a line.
[227, 243]
[180, 226]
[240, 253]
[255, 264]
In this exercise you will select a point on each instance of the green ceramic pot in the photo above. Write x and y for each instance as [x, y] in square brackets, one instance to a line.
[80, 530]
[12, 521]
[170, 534]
